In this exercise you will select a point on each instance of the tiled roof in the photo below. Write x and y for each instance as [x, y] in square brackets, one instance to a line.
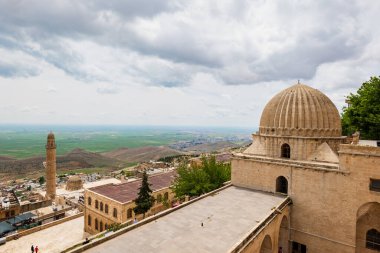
[128, 191]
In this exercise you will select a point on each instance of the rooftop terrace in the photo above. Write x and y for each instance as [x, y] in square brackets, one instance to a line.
[227, 217]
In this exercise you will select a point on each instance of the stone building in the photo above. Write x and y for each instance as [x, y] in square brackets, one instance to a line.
[334, 187]
[114, 203]
[299, 188]
[74, 183]
[51, 170]
[9, 205]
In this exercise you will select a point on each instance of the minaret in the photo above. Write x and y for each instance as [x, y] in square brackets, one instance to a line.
[50, 166]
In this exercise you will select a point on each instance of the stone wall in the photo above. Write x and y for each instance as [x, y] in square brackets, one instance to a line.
[35, 205]
[122, 209]
[325, 200]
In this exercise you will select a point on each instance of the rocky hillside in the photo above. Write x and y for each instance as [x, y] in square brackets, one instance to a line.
[141, 154]
[76, 159]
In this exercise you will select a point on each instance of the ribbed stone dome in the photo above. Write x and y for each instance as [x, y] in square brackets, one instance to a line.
[300, 111]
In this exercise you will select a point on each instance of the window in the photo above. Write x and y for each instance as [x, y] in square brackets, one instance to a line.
[101, 226]
[106, 208]
[298, 247]
[89, 220]
[282, 185]
[115, 212]
[96, 224]
[159, 198]
[166, 196]
[373, 240]
[89, 201]
[285, 150]
[101, 206]
[374, 185]
[129, 213]
[96, 204]
[106, 226]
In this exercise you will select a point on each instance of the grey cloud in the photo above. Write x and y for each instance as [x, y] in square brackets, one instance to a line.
[130, 8]
[215, 38]
[14, 70]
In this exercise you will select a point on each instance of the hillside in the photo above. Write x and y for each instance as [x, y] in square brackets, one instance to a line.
[76, 159]
[141, 154]
[212, 147]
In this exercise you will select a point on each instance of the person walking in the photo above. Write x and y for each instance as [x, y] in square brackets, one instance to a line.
[32, 248]
[36, 249]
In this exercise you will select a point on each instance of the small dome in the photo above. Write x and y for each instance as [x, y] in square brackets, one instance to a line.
[74, 178]
[300, 111]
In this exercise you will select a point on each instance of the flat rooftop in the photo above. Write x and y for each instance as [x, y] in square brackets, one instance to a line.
[128, 191]
[227, 216]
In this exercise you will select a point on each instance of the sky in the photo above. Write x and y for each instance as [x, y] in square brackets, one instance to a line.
[178, 62]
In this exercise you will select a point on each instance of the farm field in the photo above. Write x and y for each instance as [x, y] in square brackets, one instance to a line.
[29, 141]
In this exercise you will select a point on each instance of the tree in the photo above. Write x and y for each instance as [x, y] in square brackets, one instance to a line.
[363, 112]
[144, 200]
[199, 179]
[41, 180]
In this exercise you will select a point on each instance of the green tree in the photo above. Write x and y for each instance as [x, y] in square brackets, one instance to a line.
[41, 180]
[144, 200]
[363, 112]
[199, 179]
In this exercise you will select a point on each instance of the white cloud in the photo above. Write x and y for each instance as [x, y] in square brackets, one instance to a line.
[179, 62]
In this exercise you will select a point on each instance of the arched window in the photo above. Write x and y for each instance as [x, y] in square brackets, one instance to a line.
[166, 196]
[89, 201]
[159, 198]
[96, 204]
[115, 212]
[282, 185]
[129, 213]
[89, 220]
[106, 208]
[101, 226]
[96, 224]
[106, 226]
[373, 239]
[101, 206]
[285, 150]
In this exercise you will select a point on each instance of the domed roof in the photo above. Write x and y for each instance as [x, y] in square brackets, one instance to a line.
[300, 111]
[74, 178]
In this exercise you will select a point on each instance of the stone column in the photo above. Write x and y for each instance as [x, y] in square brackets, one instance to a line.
[50, 167]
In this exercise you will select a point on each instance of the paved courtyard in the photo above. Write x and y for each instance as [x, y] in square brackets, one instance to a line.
[227, 217]
[53, 239]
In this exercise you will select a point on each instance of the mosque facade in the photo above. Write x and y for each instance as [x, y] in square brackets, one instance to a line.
[334, 186]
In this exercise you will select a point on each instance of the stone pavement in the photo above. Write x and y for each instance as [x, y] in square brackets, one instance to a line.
[50, 240]
[227, 217]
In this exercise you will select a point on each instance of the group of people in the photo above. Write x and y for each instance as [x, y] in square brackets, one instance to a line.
[34, 249]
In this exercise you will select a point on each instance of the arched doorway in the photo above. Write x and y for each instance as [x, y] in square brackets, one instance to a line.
[283, 238]
[282, 185]
[285, 150]
[266, 245]
[368, 228]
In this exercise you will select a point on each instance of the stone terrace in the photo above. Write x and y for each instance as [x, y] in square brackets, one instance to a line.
[227, 216]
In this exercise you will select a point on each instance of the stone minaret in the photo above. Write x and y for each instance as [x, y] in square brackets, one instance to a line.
[50, 166]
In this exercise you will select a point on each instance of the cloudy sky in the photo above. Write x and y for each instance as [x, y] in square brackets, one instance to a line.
[206, 62]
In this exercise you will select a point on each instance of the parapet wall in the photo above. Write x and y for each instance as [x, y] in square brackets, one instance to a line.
[356, 157]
